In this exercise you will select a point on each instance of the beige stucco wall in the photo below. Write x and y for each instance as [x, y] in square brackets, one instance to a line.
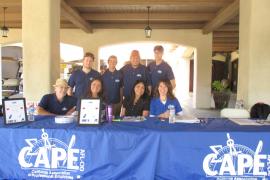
[254, 52]
[14, 36]
[195, 38]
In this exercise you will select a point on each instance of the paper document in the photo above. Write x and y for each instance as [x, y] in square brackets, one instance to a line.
[133, 118]
[249, 122]
[186, 119]
[64, 119]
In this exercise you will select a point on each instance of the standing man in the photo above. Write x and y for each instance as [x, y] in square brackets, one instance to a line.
[159, 69]
[113, 85]
[81, 78]
[133, 72]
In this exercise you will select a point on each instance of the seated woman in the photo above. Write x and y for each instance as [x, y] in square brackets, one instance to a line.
[138, 103]
[58, 103]
[163, 97]
[95, 91]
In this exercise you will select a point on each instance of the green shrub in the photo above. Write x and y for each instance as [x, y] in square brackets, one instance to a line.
[220, 86]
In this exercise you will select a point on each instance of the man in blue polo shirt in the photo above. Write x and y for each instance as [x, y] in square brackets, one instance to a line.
[159, 69]
[81, 78]
[58, 103]
[133, 72]
[112, 85]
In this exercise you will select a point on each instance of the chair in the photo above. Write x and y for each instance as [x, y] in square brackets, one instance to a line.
[234, 113]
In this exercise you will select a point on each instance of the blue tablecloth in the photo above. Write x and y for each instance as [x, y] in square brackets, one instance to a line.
[215, 148]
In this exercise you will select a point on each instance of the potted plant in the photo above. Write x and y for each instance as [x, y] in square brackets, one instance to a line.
[221, 94]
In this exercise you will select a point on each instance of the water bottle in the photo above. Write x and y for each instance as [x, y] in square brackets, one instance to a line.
[239, 104]
[171, 114]
[31, 113]
[109, 113]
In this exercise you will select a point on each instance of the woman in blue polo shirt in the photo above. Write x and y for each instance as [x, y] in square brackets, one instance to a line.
[138, 103]
[164, 97]
[58, 103]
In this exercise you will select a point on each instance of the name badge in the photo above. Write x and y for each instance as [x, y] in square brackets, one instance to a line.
[117, 80]
[159, 72]
[139, 75]
[64, 109]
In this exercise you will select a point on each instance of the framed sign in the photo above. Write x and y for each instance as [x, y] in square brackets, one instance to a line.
[90, 111]
[14, 110]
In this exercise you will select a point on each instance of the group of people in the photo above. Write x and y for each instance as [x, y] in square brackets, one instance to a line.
[134, 90]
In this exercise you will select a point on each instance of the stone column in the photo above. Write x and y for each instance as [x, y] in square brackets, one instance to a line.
[41, 46]
[254, 52]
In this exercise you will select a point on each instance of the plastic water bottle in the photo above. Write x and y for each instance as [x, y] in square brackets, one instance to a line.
[109, 113]
[171, 114]
[239, 104]
[31, 113]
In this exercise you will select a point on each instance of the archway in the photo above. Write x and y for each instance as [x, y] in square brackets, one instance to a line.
[176, 55]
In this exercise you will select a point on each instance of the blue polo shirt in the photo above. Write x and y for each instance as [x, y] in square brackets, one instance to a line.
[163, 71]
[131, 75]
[112, 83]
[80, 80]
[50, 103]
[157, 107]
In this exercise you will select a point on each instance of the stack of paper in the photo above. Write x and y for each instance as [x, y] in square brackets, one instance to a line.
[249, 122]
[133, 118]
[64, 119]
[186, 119]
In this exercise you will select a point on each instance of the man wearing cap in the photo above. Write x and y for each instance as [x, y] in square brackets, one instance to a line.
[112, 84]
[159, 69]
[134, 71]
[58, 103]
[81, 78]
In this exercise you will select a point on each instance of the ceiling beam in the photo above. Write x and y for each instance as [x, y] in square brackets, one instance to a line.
[228, 27]
[234, 20]
[73, 16]
[226, 39]
[222, 17]
[11, 3]
[109, 25]
[14, 24]
[225, 34]
[13, 17]
[225, 45]
[152, 3]
[224, 49]
[143, 16]
[138, 25]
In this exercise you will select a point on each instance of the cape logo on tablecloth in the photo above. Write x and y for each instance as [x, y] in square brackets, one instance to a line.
[235, 160]
[52, 158]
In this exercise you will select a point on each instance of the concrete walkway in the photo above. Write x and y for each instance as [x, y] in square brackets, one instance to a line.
[204, 113]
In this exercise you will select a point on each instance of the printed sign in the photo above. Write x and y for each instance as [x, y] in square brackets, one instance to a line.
[51, 158]
[90, 111]
[236, 161]
[14, 110]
